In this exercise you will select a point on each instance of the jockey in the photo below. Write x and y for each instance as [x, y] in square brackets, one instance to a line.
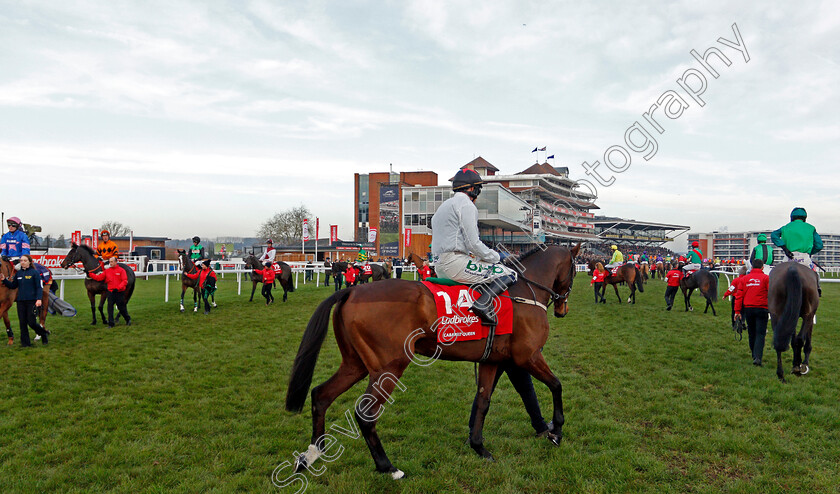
[799, 240]
[107, 248]
[695, 258]
[617, 258]
[764, 252]
[644, 259]
[15, 242]
[269, 254]
[196, 250]
[455, 238]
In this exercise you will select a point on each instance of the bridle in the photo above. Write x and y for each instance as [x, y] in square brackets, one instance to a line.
[554, 297]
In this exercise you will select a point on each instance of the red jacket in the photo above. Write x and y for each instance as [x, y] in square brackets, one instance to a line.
[424, 272]
[753, 291]
[115, 278]
[202, 275]
[267, 274]
[674, 276]
[350, 275]
[733, 288]
[598, 276]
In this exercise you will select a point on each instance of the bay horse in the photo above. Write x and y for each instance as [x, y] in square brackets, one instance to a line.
[627, 272]
[418, 263]
[706, 282]
[188, 266]
[383, 351]
[285, 278]
[90, 264]
[791, 295]
[379, 272]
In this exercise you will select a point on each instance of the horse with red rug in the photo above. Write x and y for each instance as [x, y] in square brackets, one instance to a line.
[627, 272]
[431, 321]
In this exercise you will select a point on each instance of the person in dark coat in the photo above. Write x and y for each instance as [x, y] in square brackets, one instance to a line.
[27, 281]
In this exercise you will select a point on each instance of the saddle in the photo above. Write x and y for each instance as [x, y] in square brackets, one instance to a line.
[455, 322]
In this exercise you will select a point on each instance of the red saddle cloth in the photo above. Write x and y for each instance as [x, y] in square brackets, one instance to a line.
[456, 322]
[615, 271]
[278, 270]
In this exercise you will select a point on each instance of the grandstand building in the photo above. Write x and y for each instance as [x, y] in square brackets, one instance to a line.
[557, 209]
[738, 245]
[622, 231]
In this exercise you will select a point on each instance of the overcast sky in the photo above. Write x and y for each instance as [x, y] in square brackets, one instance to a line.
[183, 118]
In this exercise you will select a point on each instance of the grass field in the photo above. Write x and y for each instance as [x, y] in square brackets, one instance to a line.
[655, 401]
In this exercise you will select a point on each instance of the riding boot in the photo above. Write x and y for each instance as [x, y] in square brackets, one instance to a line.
[483, 307]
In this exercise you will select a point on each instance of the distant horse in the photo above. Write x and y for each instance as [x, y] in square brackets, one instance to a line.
[627, 272]
[285, 278]
[378, 273]
[645, 270]
[188, 267]
[384, 351]
[792, 294]
[418, 263]
[706, 282]
[86, 256]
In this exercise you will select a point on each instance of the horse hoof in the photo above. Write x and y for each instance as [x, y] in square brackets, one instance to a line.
[804, 369]
[691, 309]
[300, 463]
[397, 474]
[182, 309]
[796, 370]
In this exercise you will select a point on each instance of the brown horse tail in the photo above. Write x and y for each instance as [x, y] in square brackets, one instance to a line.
[785, 326]
[639, 282]
[307, 355]
[714, 288]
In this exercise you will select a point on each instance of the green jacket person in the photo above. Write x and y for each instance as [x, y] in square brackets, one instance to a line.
[764, 252]
[196, 250]
[799, 240]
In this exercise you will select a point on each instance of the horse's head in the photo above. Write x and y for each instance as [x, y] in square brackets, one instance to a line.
[72, 257]
[564, 280]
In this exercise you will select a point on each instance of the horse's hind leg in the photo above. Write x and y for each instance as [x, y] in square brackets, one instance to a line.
[253, 289]
[616, 293]
[368, 410]
[798, 343]
[349, 373]
[687, 295]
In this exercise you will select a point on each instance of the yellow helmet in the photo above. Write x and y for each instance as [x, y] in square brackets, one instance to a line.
[614, 247]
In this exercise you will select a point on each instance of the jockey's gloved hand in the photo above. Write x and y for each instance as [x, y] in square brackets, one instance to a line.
[787, 252]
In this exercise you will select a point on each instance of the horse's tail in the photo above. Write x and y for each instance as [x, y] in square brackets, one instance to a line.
[307, 355]
[713, 288]
[785, 325]
[639, 282]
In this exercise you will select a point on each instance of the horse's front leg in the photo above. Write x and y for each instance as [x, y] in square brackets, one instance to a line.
[687, 296]
[779, 372]
[615, 286]
[487, 378]
[538, 367]
[92, 298]
[183, 291]
[102, 299]
[253, 289]
[807, 329]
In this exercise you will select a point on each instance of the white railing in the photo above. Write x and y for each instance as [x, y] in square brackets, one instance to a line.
[161, 268]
